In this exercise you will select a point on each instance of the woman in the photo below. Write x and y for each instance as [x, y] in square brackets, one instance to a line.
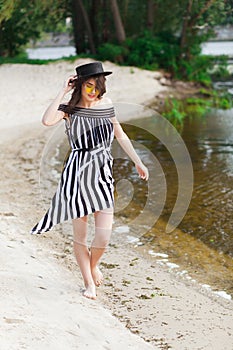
[86, 184]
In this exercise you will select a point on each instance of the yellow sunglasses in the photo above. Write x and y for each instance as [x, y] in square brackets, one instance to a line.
[90, 88]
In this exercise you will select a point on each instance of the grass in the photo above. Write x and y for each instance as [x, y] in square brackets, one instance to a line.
[177, 110]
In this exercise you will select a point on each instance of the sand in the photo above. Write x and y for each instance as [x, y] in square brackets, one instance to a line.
[142, 305]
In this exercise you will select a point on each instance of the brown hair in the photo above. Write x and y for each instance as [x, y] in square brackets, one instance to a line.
[77, 93]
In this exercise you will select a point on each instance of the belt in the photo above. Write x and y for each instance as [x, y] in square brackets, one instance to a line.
[93, 152]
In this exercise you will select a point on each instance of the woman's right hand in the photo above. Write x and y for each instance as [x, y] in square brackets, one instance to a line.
[69, 83]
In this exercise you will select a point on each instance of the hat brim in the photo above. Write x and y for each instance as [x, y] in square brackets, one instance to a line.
[95, 74]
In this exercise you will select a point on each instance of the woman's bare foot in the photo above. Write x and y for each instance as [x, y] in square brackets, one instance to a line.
[90, 292]
[97, 276]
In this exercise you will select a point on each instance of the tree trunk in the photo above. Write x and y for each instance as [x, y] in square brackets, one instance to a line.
[120, 31]
[78, 28]
[150, 15]
[183, 38]
[95, 21]
[81, 23]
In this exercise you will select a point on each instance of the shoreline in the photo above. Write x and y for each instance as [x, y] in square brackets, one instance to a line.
[164, 309]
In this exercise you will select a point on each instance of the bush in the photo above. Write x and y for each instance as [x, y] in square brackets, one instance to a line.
[145, 51]
[196, 70]
[151, 52]
[112, 52]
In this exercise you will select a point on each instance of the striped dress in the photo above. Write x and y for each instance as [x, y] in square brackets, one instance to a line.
[86, 183]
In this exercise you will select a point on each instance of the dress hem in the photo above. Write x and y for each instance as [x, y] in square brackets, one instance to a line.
[92, 211]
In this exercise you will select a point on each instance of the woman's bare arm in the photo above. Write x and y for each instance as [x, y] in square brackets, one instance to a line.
[52, 116]
[127, 146]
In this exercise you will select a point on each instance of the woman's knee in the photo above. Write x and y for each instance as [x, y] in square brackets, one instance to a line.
[100, 241]
[102, 236]
[104, 218]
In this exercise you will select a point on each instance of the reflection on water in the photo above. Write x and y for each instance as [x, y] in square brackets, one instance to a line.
[210, 142]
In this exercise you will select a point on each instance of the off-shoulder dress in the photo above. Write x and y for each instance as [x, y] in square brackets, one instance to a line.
[86, 183]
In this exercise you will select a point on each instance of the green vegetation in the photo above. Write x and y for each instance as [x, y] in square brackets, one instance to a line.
[22, 21]
[177, 110]
[151, 34]
[151, 53]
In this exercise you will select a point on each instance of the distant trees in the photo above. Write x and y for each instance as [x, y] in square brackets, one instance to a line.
[150, 33]
[181, 25]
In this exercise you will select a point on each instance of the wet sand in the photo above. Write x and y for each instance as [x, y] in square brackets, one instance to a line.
[41, 298]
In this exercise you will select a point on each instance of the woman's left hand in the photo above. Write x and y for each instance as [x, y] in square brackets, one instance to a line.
[142, 171]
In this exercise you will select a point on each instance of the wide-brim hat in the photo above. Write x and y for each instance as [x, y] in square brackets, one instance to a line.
[90, 70]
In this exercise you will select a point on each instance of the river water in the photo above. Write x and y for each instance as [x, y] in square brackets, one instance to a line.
[46, 53]
[203, 242]
[218, 48]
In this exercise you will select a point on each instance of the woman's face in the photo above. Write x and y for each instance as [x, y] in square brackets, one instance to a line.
[89, 90]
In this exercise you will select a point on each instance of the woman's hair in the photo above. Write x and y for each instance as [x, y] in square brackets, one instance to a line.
[77, 93]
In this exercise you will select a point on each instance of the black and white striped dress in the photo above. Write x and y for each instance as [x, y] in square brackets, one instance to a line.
[86, 183]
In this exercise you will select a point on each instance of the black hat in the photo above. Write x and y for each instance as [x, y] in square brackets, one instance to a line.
[90, 69]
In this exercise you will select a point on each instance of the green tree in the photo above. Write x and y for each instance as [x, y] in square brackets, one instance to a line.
[228, 18]
[153, 33]
[22, 20]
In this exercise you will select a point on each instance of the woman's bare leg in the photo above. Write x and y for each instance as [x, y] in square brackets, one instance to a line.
[82, 255]
[103, 229]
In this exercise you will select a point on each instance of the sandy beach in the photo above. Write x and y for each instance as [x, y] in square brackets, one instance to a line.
[142, 305]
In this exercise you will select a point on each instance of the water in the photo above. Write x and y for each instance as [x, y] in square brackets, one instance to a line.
[210, 143]
[209, 48]
[203, 242]
[50, 52]
[218, 48]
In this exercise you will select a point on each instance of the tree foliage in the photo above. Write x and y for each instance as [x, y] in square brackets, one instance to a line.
[22, 20]
[151, 33]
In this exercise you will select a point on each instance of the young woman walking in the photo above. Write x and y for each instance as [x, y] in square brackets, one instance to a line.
[86, 184]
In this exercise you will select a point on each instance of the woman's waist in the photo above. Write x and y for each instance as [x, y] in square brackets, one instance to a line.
[94, 150]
